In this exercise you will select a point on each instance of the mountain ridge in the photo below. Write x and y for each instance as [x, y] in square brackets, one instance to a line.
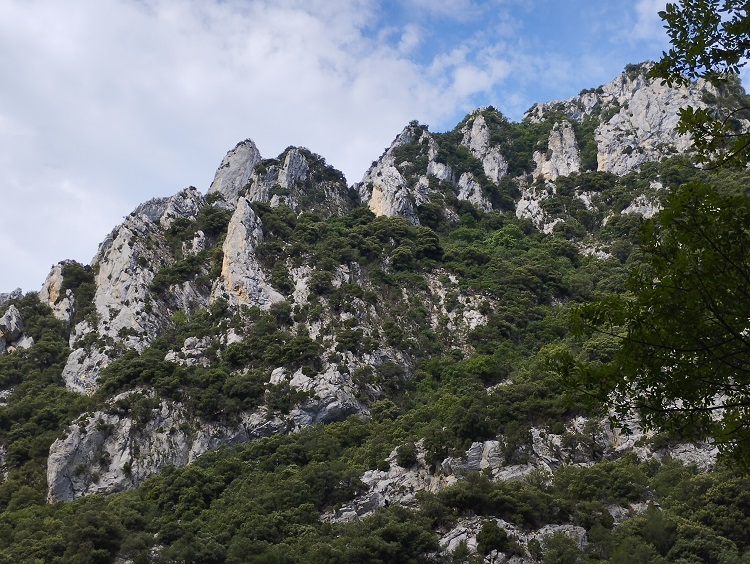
[431, 292]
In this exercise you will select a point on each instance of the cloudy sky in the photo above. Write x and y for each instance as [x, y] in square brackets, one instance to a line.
[107, 103]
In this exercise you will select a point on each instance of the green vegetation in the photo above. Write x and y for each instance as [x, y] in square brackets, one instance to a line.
[710, 41]
[686, 314]
[465, 325]
[38, 408]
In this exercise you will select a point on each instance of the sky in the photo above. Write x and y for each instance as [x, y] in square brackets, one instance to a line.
[105, 104]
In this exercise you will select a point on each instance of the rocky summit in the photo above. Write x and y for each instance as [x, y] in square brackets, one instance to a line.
[294, 368]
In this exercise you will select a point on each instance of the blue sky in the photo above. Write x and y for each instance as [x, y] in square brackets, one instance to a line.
[107, 103]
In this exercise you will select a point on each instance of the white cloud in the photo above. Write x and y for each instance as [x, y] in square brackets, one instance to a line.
[109, 102]
[454, 9]
[648, 25]
[106, 103]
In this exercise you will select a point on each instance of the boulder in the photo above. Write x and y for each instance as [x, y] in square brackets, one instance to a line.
[11, 325]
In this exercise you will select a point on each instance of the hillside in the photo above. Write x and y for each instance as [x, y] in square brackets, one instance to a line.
[290, 368]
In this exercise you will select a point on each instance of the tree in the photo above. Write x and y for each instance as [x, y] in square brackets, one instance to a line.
[684, 325]
[711, 41]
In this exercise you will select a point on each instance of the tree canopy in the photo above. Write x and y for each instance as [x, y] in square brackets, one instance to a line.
[684, 325]
[710, 41]
[680, 335]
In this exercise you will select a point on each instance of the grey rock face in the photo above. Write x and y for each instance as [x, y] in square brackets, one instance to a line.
[476, 138]
[585, 442]
[63, 306]
[110, 450]
[639, 116]
[242, 279]
[183, 205]
[470, 190]
[332, 396]
[466, 531]
[11, 325]
[14, 295]
[11, 332]
[107, 452]
[192, 352]
[290, 182]
[235, 171]
[297, 178]
[82, 369]
[383, 187]
[562, 158]
[127, 262]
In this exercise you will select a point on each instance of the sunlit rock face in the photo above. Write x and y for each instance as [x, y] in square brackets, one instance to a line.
[476, 137]
[384, 188]
[637, 118]
[235, 171]
[128, 316]
[242, 278]
[562, 158]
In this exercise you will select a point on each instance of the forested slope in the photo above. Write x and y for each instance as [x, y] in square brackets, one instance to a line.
[291, 369]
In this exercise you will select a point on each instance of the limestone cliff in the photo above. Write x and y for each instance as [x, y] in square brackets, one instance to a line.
[562, 158]
[636, 117]
[242, 279]
[250, 284]
[235, 171]
[384, 188]
[297, 178]
[106, 452]
[12, 335]
[126, 316]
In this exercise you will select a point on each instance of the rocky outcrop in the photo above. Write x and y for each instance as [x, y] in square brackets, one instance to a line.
[302, 181]
[193, 352]
[504, 459]
[115, 449]
[471, 191]
[384, 188]
[297, 178]
[83, 367]
[643, 206]
[106, 452]
[184, 205]
[530, 204]
[276, 183]
[396, 187]
[63, 306]
[11, 325]
[562, 157]
[331, 396]
[638, 117]
[127, 315]
[477, 138]
[645, 128]
[242, 278]
[8, 296]
[466, 531]
[11, 331]
[235, 171]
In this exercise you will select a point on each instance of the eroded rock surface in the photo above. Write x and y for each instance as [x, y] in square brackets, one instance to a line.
[242, 279]
[384, 188]
[562, 157]
[235, 171]
[107, 452]
[639, 118]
